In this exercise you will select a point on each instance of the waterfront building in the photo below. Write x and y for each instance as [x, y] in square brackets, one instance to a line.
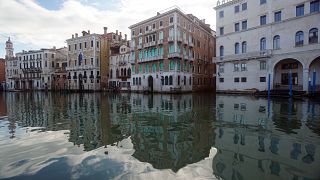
[256, 39]
[172, 51]
[88, 59]
[120, 69]
[32, 70]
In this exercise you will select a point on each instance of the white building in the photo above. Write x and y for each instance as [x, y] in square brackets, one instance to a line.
[32, 70]
[259, 38]
[120, 69]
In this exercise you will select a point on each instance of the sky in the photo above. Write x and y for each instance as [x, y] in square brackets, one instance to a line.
[35, 24]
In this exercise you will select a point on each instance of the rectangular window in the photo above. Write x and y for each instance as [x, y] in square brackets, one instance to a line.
[69, 48]
[244, 25]
[161, 23]
[221, 30]
[161, 66]
[236, 27]
[277, 16]
[236, 9]
[263, 79]
[85, 44]
[221, 80]
[236, 67]
[244, 6]
[314, 6]
[243, 67]
[263, 1]
[171, 19]
[300, 10]
[263, 20]
[80, 45]
[243, 79]
[263, 65]
[236, 80]
[153, 26]
[221, 68]
[91, 43]
[221, 14]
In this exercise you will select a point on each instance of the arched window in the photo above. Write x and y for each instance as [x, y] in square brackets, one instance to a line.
[134, 81]
[110, 73]
[221, 51]
[276, 42]
[166, 80]
[236, 48]
[299, 38]
[263, 44]
[125, 72]
[170, 80]
[244, 47]
[129, 72]
[313, 36]
[117, 73]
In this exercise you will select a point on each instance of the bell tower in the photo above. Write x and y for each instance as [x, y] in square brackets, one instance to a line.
[9, 49]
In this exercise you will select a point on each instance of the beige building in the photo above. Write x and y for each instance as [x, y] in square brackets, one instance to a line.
[88, 59]
[120, 69]
[258, 39]
[172, 52]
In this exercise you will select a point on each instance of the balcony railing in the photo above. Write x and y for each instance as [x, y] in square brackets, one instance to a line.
[245, 56]
[179, 39]
[140, 46]
[160, 41]
[185, 42]
[32, 70]
[185, 57]
[174, 55]
[170, 39]
[85, 67]
[154, 58]
[150, 44]
[191, 44]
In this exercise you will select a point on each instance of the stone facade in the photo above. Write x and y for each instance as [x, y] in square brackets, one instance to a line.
[258, 39]
[120, 69]
[32, 70]
[172, 52]
[88, 60]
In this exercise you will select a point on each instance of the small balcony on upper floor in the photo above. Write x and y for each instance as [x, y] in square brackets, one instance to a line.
[191, 44]
[160, 42]
[153, 58]
[179, 39]
[150, 44]
[139, 46]
[174, 55]
[170, 39]
[185, 42]
[244, 56]
[32, 70]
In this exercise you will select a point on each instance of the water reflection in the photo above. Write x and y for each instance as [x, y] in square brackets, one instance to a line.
[276, 139]
[251, 143]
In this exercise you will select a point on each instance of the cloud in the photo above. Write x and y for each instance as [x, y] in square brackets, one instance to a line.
[28, 23]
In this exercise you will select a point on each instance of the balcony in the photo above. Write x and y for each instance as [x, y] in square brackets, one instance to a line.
[179, 39]
[132, 48]
[140, 46]
[191, 44]
[170, 39]
[246, 56]
[76, 68]
[185, 57]
[191, 58]
[174, 55]
[160, 41]
[154, 58]
[185, 42]
[150, 44]
[32, 70]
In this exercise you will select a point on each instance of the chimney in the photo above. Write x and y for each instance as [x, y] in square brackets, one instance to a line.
[76, 35]
[116, 32]
[84, 33]
[105, 29]
[88, 31]
[120, 36]
[72, 36]
[125, 37]
[54, 47]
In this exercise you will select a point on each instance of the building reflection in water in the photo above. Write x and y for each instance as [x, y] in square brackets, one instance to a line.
[278, 139]
[252, 142]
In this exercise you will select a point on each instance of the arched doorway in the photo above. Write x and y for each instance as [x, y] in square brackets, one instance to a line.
[150, 83]
[282, 72]
[314, 75]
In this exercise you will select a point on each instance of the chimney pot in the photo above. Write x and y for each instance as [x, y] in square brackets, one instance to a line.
[116, 32]
[72, 36]
[105, 30]
[88, 31]
[76, 35]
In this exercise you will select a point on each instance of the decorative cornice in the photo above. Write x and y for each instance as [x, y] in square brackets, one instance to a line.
[224, 3]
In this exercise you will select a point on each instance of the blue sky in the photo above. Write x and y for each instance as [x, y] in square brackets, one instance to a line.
[35, 24]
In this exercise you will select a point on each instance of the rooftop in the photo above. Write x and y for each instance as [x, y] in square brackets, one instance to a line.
[224, 3]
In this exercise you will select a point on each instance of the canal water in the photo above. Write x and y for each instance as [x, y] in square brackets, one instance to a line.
[136, 136]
